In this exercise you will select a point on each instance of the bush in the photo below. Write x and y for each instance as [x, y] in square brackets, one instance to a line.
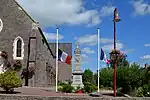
[139, 92]
[146, 90]
[62, 83]
[67, 88]
[9, 80]
[89, 87]
[60, 88]
[78, 88]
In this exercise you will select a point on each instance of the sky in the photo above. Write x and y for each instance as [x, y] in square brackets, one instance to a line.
[78, 20]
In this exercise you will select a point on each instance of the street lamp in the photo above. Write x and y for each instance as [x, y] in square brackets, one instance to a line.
[115, 53]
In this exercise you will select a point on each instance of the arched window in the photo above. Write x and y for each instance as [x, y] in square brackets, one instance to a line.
[18, 51]
[18, 48]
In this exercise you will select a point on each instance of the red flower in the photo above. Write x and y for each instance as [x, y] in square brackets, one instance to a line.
[80, 91]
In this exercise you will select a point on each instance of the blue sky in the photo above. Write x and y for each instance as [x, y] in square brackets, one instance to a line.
[78, 20]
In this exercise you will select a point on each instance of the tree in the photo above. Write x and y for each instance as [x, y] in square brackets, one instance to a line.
[106, 77]
[88, 76]
[129, 78]
[123, 60]
[95, 78]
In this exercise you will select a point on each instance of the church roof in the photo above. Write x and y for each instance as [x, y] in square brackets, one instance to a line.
[40, 30]
[66, 47]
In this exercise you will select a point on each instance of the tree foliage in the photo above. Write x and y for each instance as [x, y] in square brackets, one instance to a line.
[88, 76]
[129, 78]
[106, 76]
[88, 81]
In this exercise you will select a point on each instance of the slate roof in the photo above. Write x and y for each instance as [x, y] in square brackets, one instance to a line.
[66, 47]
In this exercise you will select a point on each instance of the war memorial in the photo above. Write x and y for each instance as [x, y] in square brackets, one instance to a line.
[23, 47]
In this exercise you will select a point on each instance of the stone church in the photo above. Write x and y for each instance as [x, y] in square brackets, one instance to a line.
[22, 38]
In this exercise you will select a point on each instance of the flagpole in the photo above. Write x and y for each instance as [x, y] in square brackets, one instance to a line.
[98, 55]
[56, 59]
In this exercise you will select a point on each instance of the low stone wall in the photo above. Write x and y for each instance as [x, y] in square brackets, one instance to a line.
[26, 97]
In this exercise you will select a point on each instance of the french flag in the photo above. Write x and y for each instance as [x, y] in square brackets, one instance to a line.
[104, 58]
[64, 57]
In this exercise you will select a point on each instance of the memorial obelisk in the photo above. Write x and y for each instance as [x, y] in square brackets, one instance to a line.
[77, 72]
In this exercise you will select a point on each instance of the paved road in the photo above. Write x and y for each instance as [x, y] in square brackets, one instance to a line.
[42, 92]
[47, 92]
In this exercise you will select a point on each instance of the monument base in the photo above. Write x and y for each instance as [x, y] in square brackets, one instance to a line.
[77, 80]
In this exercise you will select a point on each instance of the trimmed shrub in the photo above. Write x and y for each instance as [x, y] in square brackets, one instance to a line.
[9, 80]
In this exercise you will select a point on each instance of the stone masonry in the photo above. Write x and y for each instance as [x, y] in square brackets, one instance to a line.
[37, 52]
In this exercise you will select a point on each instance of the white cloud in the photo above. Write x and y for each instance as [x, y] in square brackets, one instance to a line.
[110, 47]
[92, 40]
[140, 7]
[106, 40]
[146, 57]
[84, 58]
[57, 12]
[147, 45]
[52, 36]
[107, 10]
[88, 50]
[88, 40]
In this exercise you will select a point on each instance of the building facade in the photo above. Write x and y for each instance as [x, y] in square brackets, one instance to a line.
[22, 38]
[65, 71]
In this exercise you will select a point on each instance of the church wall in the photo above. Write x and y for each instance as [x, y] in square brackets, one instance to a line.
[65, 70]
[42, 58]
[16, 23]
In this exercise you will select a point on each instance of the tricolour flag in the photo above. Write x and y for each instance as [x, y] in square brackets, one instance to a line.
[64, 57]
[104, 57]
[102, 54]
[107, 61]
